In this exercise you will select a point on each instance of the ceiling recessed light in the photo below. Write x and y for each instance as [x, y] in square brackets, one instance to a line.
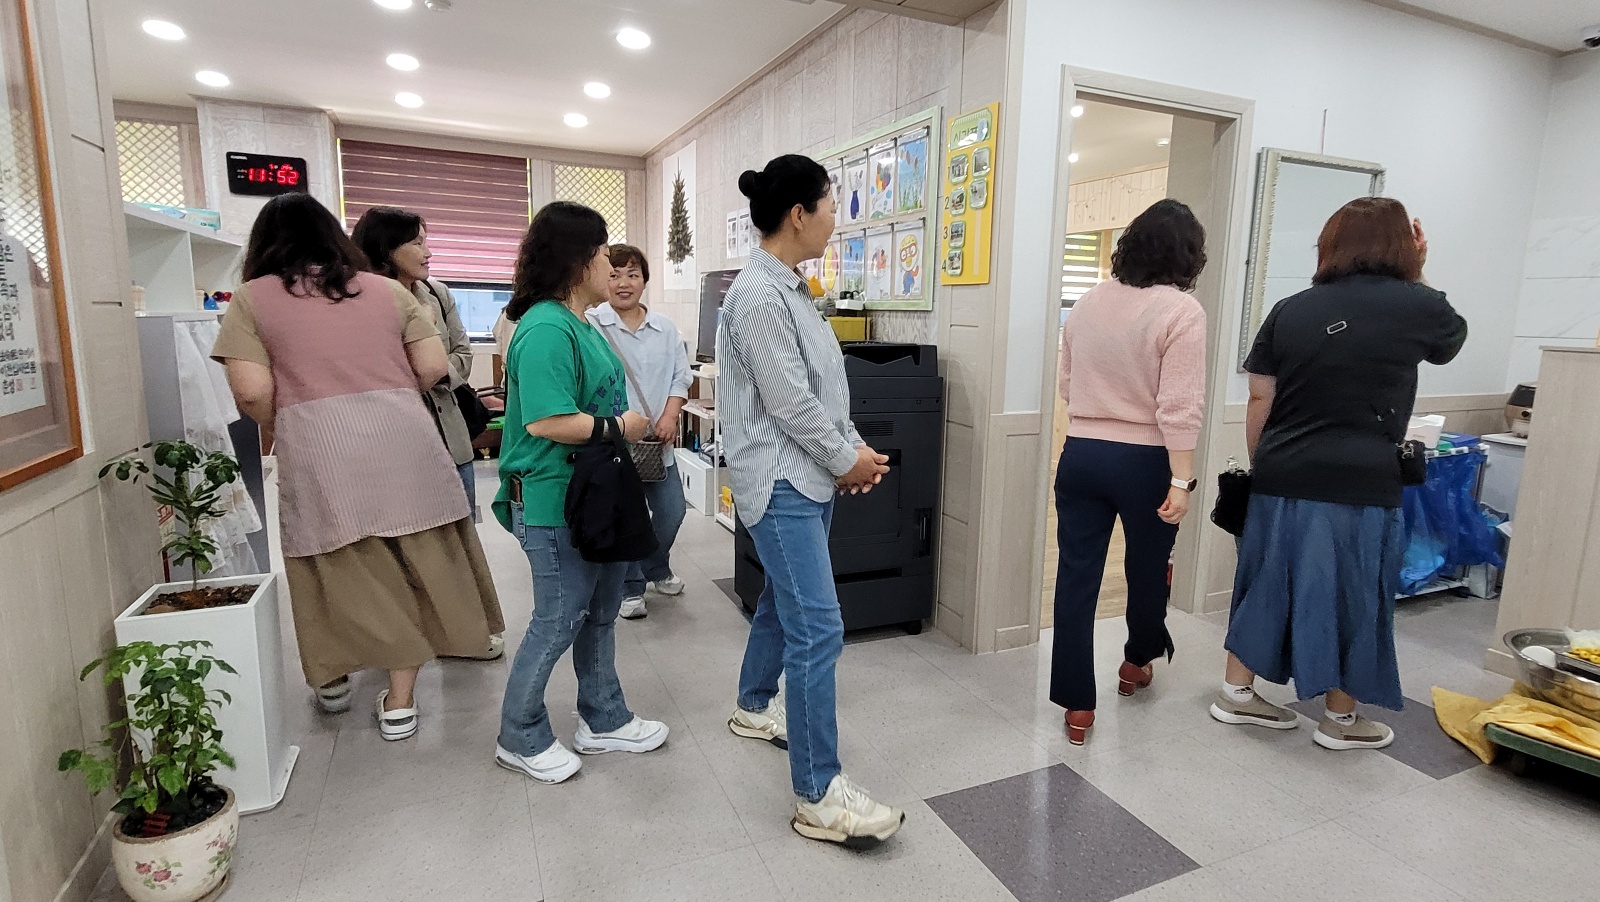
[1077, 111]
[1164, 142]
[1072, 158]
[212, 79]
[576, 120]
[166, 31]
[408, 99]
[597, 90]
[405, 62]
[394, 4]
[633, 39]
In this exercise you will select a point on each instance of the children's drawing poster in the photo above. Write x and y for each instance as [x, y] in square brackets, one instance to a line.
[853, 264]
[881, 171]
[909, 250]
[855, 189]
[836, 188]
[880, 263]
[830, 267]
[911, 175]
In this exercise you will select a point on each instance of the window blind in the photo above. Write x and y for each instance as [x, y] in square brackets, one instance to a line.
[1080, 266]
[476, 205]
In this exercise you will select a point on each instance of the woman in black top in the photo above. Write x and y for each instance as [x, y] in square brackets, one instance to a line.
[1333, 377]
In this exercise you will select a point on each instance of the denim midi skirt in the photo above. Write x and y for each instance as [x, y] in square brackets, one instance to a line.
[1313, 599]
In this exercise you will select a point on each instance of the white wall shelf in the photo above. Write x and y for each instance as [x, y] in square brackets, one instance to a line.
[171, 259]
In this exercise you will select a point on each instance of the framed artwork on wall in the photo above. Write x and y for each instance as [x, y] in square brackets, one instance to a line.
[39, 426]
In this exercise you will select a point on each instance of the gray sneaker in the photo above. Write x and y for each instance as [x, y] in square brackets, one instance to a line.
[1257, 711]
[1363, 734]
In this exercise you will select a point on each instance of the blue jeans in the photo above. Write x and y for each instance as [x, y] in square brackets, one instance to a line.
[575, 606]
[667, 508]
[469, 481]
[797, 630]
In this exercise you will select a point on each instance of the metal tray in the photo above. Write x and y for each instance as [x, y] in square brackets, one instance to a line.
[1577, 665]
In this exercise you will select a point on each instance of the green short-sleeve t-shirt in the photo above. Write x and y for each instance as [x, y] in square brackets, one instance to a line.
[558, 364]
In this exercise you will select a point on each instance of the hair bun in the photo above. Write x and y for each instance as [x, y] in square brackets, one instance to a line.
[750, 183]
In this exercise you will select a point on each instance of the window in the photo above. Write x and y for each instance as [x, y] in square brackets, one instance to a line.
[479, 304]
[150, 158]
[1081, 265]
[605, 190]
[476, 205]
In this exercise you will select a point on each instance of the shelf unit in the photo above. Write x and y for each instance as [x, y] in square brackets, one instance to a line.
[707, 416]
[171, 259]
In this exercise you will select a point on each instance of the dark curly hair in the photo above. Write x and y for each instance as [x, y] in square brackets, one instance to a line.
[298, 240]
[1164, 245]
[560, 244]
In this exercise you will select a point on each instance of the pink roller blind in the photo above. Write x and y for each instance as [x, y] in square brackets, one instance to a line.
[476, 205]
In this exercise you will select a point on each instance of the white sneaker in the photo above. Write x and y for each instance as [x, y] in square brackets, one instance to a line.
[770, 725]
[633, 608]
[637, 736]
[398, 723]
[552, 765]
[846, 815]
[334, 698]
[671, 586]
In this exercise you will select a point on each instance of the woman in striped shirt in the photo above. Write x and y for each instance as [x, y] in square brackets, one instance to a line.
[790, 446]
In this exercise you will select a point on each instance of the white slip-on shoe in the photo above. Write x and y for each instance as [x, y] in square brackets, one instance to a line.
[1255, 712]
[633, 608]
[1363, 734]
[398, 723]
[847, 816]
[334, 698]
[553, 765]
[770, 725]
[637, 736]
[671, 586]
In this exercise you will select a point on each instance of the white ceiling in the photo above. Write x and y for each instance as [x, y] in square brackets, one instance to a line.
[1553, 24]
[1110, 140]
[504, 70]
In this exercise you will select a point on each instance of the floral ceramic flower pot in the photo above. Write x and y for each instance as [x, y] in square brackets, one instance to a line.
[179, 867]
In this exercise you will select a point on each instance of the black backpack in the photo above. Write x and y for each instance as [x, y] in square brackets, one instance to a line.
[606, 509]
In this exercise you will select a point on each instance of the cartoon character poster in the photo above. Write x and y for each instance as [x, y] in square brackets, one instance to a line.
[880, 266]
[909, 252]
[882, 173]
[853, 264]
[911, 177]
[855, 189]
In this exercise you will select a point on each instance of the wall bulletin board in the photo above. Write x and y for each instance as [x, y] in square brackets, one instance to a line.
[39, 428]
[887, 193]
[970, 159]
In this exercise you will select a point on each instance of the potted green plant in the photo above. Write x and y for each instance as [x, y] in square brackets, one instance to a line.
[237, 615]
[176, 836]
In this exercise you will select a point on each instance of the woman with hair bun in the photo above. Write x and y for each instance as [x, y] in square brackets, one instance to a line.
[790, 447]
[1133, 376]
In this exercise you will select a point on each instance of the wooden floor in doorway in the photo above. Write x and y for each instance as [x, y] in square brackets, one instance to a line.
[1114, 587]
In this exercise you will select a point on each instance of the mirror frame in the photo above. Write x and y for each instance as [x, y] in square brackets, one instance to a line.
[1271, 160]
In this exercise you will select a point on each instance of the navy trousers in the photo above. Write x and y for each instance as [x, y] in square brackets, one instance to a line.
[1097, 482]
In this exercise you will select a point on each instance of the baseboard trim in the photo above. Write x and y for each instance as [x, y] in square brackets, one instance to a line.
[1014, 637]
[91, 866]
[1217, 601]
[1498, 660]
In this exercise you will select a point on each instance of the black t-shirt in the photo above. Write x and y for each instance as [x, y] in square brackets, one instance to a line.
[1345, 358]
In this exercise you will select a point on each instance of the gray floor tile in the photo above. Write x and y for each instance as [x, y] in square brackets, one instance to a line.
[1195, 886]
[1459, 627]
[1419, 742]
[1327, 863]
[1051, 835]
[736, 876]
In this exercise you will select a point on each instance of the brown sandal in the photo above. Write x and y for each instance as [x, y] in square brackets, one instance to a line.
[1078, 724]
[1131, 679]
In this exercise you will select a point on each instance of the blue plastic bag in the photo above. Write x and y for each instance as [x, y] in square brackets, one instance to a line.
[1445, 526]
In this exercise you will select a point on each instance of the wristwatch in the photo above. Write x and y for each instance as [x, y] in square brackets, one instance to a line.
[1187, 485]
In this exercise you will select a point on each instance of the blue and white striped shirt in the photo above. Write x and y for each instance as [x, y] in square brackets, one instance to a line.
[783, 396]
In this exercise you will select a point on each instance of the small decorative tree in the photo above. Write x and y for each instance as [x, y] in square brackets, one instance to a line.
[180, 743]
[680, 239]
[194, 492]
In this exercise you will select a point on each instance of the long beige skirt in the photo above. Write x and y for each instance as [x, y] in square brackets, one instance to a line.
[393, 603]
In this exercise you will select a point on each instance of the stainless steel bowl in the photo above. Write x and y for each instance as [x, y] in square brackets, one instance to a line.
[1558, 687]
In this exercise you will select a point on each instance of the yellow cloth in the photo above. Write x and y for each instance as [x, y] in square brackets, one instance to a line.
[1464, 717]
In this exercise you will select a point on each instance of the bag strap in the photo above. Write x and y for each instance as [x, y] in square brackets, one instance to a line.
[628, 369]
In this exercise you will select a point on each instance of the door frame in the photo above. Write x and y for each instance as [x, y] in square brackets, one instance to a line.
[1201, 555]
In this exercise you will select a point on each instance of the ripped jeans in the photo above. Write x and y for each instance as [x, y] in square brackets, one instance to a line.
[575, 606]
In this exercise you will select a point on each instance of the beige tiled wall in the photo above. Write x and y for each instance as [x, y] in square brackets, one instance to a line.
[71, 551]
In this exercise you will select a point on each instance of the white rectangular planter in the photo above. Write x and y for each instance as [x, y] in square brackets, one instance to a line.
[250, 639]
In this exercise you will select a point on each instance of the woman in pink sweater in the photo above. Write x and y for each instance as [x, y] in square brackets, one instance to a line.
[1133, 377]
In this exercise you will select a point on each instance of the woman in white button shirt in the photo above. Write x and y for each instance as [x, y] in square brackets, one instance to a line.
[658, 386]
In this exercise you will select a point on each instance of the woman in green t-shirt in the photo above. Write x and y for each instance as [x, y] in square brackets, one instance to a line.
[562, 376]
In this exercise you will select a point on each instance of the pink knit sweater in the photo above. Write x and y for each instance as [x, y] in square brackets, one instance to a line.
[1133, 366]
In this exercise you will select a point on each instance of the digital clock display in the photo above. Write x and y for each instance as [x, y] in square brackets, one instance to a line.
[264, 175]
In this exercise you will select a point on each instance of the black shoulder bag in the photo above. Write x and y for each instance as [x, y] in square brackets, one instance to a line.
[1233, 499]
[606, 509]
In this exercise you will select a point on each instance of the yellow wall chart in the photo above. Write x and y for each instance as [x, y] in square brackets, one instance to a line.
[967, 222]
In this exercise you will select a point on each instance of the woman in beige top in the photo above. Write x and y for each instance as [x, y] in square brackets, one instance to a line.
[384, 566]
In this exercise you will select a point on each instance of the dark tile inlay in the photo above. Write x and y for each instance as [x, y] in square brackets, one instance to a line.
[1051, 835]
[1419, 742]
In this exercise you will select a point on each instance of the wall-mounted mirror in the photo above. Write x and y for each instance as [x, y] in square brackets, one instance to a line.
[1295, 195]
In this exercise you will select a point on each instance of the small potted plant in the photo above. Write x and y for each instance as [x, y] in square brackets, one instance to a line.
[175, 839]
[237, 616]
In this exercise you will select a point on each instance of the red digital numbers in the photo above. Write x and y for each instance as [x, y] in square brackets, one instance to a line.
[288, 176]
[274, 175]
